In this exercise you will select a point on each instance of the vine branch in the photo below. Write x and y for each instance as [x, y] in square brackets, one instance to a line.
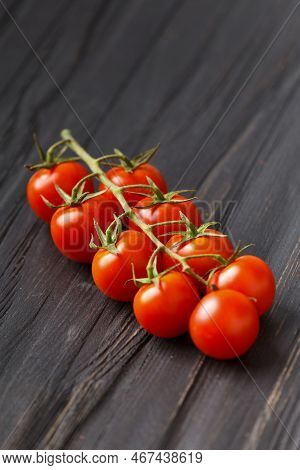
[93, 164]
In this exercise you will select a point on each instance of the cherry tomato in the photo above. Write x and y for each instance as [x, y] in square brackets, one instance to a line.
[251, 276]
[43, 181]
[163, 308]
[164, 212]
[201, 245]
[112, 272]
[72, 227]
[121, 177]
[224, 324]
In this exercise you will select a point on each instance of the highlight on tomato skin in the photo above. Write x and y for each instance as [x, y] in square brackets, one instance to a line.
[43, 182]
[165, 212]
[201, 245]
[251, 276]
[224, 324]
[163, 308]
[112, 272]
[71, 227]
[120, 177]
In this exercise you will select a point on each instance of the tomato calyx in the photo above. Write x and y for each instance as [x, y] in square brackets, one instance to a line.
[157, 197]
[109, 238]
[126, 163]
[77, 196]
[237, 252]
[52, 157]
[153, 276]
[192, 232]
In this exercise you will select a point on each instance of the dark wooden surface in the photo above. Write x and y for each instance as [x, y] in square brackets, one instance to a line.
[215, 80]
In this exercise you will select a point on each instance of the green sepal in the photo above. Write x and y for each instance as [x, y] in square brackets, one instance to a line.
[109, 238]
[65, 196]
[153, 276]
[128, 164]
[144, 157]
[191, 232]
[49, 204]
[237, 252]
[39, 149]
[53, 156]
[157, 197]
[77, 195]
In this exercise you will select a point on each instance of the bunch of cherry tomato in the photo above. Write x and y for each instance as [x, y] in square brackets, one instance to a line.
[213, 292]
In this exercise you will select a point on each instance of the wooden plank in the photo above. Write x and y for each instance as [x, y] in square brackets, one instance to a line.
[76, 371]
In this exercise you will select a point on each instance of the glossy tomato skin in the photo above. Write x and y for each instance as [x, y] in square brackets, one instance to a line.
[121, 177]
[43, 181]
[112, 273]
[164, 212]
[224, 324]
[72, 227]
[251, 276]
[164, 308]
[200, 246]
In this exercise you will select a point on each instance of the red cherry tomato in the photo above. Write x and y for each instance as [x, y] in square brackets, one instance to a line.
[163, 308]
[43, 181]
[72, 227]
[251, 276]
[164, 212]
[121, 177]
[224, 324]
[200, 246]
[111, 272]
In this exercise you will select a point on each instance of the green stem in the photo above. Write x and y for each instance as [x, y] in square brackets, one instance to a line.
[167, 222]
[129, 186]
[118, 193]
[208, 255]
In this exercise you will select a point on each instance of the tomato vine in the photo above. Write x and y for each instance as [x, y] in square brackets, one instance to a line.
[181, 257]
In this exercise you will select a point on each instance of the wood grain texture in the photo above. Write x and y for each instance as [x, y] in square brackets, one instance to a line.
[75, 369]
